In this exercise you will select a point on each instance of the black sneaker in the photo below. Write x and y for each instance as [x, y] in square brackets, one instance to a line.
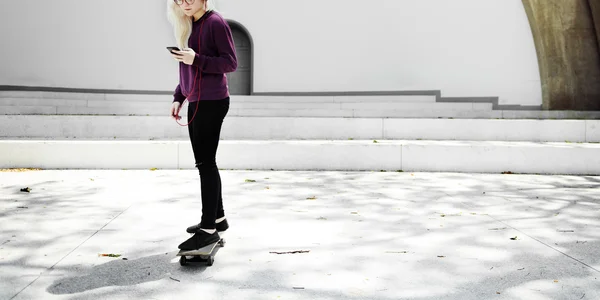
[198, 240]
[221, 226]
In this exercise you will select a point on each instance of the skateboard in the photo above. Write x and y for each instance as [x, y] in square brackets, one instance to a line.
[202, 255]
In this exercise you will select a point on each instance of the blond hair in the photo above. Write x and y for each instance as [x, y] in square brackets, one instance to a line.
[182, 24]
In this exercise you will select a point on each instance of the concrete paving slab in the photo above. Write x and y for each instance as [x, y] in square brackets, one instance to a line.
[39, 228]
[568, 225]
[369, 235]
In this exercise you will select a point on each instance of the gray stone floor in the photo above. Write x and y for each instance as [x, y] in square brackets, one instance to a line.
[369, 235]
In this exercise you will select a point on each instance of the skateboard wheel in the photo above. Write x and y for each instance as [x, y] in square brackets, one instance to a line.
[222, 243]
[183, 260]
[210, 261]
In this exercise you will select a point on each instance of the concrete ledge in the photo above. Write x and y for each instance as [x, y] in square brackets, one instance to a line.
[491, 130]
[21, 102]
[298, 128]
[273, 109]
[478, 112]
[89, 154]
[445, 156]
[428, 114]
[592, 131]
[410, 106]
[30, 97]
[28, 110]
[302, 155]
[246, 128]
[550, 114]
[494, 157]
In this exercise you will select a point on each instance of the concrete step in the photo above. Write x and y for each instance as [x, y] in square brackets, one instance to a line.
[458, 111]
[98, 107]
[161, 98]
[267, 128]
[412, 156]
[477, 111]
[28, 110]
[28, 102]
[117, 106]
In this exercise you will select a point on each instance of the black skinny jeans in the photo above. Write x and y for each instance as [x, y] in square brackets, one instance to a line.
[205, 132]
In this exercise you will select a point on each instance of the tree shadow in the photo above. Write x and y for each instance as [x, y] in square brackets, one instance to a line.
[124, 273]
[402, 208]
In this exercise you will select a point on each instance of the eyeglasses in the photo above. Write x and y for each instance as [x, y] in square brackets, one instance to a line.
[179, 2]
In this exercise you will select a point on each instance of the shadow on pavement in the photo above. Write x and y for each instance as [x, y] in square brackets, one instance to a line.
[123, 273]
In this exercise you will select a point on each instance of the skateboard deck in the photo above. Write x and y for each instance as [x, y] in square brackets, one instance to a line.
[202, 255]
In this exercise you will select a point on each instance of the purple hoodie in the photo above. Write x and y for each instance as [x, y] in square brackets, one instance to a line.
[216, 58]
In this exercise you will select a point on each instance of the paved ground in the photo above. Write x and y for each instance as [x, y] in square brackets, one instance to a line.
[370, 235]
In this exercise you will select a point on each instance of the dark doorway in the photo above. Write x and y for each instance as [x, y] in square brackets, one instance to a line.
[240, 81]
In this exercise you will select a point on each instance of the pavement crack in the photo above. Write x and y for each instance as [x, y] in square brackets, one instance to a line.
[52, 267]
[545, 244]
[535, 239]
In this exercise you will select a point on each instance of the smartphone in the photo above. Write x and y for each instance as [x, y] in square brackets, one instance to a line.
[173, 48]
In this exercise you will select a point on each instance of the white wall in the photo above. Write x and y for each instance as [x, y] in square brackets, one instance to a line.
[108, 44]
[465, 48]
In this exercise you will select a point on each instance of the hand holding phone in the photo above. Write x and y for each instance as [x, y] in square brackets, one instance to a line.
[186, 56]
[171, 49]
